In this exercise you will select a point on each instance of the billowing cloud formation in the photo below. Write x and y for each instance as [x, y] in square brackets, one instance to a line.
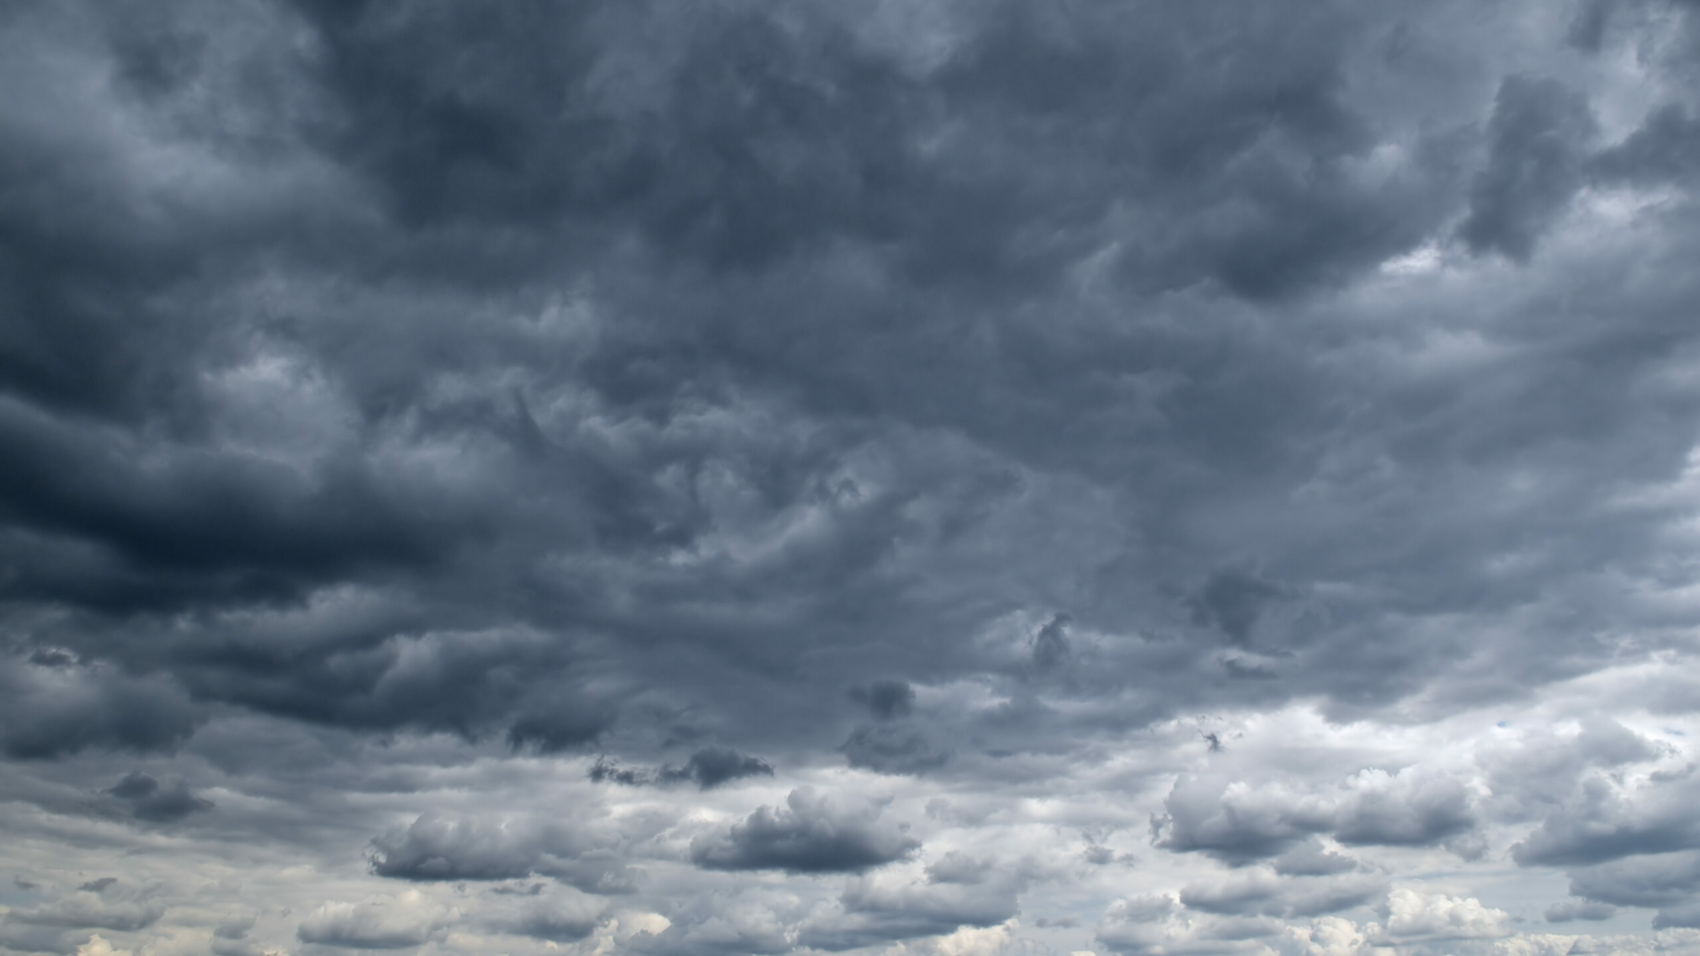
[434, 847]
[919, 477]
[148, 799]
[807, 835]
[55, 704]
[1237, 823]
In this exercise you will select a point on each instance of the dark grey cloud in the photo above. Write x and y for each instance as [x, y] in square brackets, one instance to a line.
[1050, 644]
[442, 848]
[1588, 27]
[902, 748]
[58, 705]
[404, 406]
[886, 698]
[148, 799]
[1538, 141]
[1661, 150]
[807, 835]
[1604, 823]
[712, 766]
[1666, 882]
[606, 770]
[1662, 881]
[433, 848]
[708, 767]
[787, 223]
[1686, 916]
[1233, 600]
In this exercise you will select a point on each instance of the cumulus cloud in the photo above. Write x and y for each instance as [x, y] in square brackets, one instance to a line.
[1158, 925]
[1409, 808]
[883, 907]
[382, 922]
[438, 847]
[808, 835]
[1668, 882]
[1606, 821]
[1238, 822]
[1416, 916]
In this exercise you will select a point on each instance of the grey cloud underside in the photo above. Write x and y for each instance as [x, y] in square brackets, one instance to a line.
[436, 848]
[1242, 825]
[941, 394]
[1004, 347]
[807, 835]
[60, 926]
[708, 767]
[148, 799]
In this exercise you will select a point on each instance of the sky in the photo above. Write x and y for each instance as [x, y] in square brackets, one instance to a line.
[895, 478]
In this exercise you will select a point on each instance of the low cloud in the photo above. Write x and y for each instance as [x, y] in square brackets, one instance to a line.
[885, 699]
[147, 799]
[1570, 911]
[1412, 916]
[439, 847]
[708, 767]
[379, 922]
[807, 835]
[1239, 823]
[54, 706]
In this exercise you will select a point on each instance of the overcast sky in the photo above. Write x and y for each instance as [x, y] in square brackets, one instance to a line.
[905, 477]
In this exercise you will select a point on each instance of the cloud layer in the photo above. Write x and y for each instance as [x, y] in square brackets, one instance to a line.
[910, 477]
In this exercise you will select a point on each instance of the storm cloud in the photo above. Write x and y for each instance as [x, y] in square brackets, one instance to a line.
[920, 477]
